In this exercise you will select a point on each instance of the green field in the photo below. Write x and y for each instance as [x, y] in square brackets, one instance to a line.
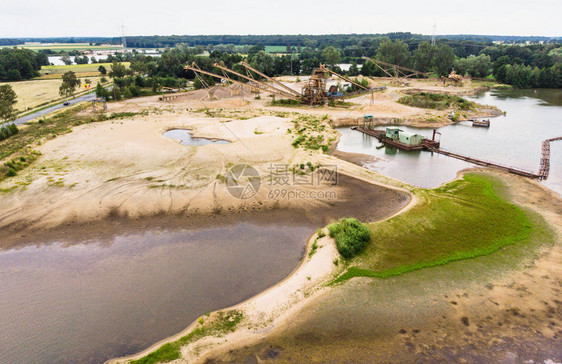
[275, 49]
[81, 70]
[462, 220]
[57, 47]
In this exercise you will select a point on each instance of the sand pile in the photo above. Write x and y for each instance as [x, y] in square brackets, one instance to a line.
[221, 92]
[390, 108]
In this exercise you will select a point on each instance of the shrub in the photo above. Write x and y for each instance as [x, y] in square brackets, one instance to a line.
[351, 236]
[7, 131]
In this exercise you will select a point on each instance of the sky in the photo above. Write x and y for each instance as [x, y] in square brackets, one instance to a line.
[54, 18]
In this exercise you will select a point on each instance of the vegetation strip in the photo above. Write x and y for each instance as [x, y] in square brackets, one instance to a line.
[223, 324]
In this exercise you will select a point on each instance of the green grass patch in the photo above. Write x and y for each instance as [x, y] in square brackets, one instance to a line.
[462, 220]
[429, 100]
[312, 132]
[314, 248]
[24, 158]
[225, 322]
[284, 102]
[275, 49]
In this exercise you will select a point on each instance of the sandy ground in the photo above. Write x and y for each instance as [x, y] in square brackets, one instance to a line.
[382, 105]
[385, 109]
[125, 168]
[463, 312]
[277, 306]
[478, 310]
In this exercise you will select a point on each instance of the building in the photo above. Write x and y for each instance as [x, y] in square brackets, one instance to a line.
[410, 138]
[400, 136]
[393, 133]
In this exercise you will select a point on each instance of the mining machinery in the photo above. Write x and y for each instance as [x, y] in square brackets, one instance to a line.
[314, 91]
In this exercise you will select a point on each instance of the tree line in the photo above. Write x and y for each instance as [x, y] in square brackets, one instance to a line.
[508, 64]
[20, 64]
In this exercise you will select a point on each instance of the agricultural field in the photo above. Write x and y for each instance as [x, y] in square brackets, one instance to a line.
[81, 70]
[57, 47]
[34, 93]
[275, 49]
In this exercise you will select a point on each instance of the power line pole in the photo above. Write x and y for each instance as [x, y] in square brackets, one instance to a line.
[434, 33]
[123, 38]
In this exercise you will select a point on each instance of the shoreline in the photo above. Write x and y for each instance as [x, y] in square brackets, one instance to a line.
[499, 289]
[278, 315]
[214, 197]
[294, 292]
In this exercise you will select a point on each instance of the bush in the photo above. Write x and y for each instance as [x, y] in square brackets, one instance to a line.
[351, 236]
[7, 131]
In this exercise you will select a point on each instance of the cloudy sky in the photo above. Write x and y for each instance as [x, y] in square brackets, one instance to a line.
[41, 18]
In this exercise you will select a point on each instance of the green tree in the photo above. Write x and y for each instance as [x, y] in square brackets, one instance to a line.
[66, 59]
[353, 69]
[118, 70]
[479, 66]
[423, 57]
[263, 62]
[69, 84]
[8, 99]
[444, 59]
[102, 70]
[331, 55]
[394, 52]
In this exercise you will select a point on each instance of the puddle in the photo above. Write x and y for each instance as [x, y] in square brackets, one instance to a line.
[185, 138]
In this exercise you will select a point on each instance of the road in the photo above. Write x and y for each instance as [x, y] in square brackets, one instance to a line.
[24, 119]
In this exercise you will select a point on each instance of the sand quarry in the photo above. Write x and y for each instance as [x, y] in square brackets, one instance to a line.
[126, 168]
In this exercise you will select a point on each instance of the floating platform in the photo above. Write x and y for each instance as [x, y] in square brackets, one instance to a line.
[433, 146]
[381, 136]
[481, 123]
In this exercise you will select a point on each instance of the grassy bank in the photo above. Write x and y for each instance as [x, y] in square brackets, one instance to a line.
[462, 220]
[224, 323]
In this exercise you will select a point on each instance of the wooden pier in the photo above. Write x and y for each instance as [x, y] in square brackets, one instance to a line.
[484, 163]
[544, 167]
[433, 146]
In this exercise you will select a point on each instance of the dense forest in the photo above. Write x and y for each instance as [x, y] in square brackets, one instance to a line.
[20, 64]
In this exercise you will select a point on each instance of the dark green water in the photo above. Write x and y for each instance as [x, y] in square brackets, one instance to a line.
[514, 140]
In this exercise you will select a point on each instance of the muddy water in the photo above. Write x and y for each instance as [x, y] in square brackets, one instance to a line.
[87, 293]
[514, 140]
[95, 300]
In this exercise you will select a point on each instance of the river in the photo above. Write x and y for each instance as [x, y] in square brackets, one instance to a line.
[513, 139]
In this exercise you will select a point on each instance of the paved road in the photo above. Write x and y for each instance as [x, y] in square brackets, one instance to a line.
[24, 119]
